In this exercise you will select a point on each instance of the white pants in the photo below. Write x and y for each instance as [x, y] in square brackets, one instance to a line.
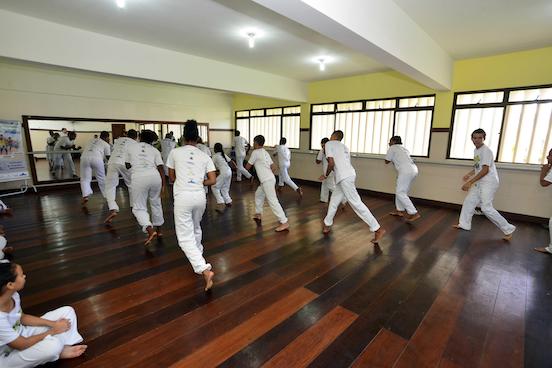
[47, 350]
[147, 186]
[284, 177]
[328, 185]
[188, 211]
[482, 194]
[65, 161]
[346, 189]
[91, 166]
[402, 201]
[221, 189]
[112, 181]
[267, 189]
[241, 170]
[549, 248]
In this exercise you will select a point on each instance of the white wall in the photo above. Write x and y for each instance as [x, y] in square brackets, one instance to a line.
[32, 89]
[439, 179]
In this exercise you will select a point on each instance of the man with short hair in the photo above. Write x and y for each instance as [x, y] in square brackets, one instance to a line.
[339, 161]
[481, 183]
[284, 162]
[92, 164]
[242, 147]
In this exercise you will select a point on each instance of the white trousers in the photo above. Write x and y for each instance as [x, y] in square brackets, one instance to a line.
[241, 170]
[482, 194]
[284, 178]
[65, 161]
[267, 189]
[327, 187]
[221, 189]
[188, 211]
[47, 350]
[549, 248]
[112, 181]
[147, 186]
[346, 189]
[91, 166]
[402, 201]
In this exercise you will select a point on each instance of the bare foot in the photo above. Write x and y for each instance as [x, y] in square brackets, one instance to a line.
[542, 250]
[343, 207]
[8, 250]
[279, 188]
[111, 216]
[457, 226]
[208, 276]
[396, 213]
[326, 230]
[70, 352]
[257, 219]
[151, 235]
[412, 218]
[220, 208]
[378, 235]
[508, 237]
[7, 211]
[229, 204]
[282, 227]
[300, 192]
[84, 201]
[159, 233]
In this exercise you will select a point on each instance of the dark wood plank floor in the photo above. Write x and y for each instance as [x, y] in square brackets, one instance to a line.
[429, 296]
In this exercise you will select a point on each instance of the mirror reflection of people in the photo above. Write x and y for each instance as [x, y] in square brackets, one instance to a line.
[63, 159]
[167, 145]
[50, 143]
[92, 164]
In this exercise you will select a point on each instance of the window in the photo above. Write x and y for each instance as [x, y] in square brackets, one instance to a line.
[518, 123]
[272, 123]
[368, 125]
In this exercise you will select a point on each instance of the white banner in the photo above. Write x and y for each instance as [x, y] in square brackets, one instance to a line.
[13, 165]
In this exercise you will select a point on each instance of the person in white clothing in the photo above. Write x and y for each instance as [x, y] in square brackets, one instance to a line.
[64, 161]
[148, 183]
[284, 162]
[241, 146]
[205, 149]
[115, 167]
[5, 250]
[187, 169]
[4, 209]
[339, 160]
[406, 173]
[50, 143]
[481, 183]
[328, 183]
[221, 189]
[92, 164]
[28, 341]
[546, 180]
[260, 159]
[167, 145]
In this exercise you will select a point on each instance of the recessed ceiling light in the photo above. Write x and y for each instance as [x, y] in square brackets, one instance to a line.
[251, 39]
[322, 64]
[121, 3]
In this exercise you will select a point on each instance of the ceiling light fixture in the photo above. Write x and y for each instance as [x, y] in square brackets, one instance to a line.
[321, 64]
[251, 38]
[121, 3]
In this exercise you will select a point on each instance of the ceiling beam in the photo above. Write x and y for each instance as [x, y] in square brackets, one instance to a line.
[377, 28]
[32, 39]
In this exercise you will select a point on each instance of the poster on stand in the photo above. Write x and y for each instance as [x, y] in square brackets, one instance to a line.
[13, 165]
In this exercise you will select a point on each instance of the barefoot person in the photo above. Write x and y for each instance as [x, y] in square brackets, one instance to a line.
[187, 169]
[284, 162]
[339, 160]
[115, 167]
[221, 189]
[92, 164]
[546, 180]
[29, 341]
[148, 183]
[260, 159]
[481, 183]
[241, 146]
[407, 172]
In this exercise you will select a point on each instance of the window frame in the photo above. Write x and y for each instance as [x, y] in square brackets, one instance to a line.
[504, 104]
[364, 109]
[282, 115]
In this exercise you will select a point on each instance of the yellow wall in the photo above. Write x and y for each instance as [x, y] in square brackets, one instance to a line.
[517, 69]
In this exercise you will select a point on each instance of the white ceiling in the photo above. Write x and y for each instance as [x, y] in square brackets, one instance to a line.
[474, 28]
[215, 29]
[211, 29]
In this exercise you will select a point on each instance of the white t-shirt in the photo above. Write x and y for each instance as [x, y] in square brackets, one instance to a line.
[322, 157]
[10, 324]
[400, 157]
[190, 166]
[119, 150]
[221, 163]
[167, 145]
[261, 160]
[143, 157]
[203, 148]
[63, 141]
[97, 148]
[284, 155]
[548, 176]
[484, 156]
[342, 160]
[239, 144]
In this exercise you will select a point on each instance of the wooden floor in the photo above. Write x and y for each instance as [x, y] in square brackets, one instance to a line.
[429, 296]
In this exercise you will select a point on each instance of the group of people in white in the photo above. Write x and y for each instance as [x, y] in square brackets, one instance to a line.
[27, 341]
